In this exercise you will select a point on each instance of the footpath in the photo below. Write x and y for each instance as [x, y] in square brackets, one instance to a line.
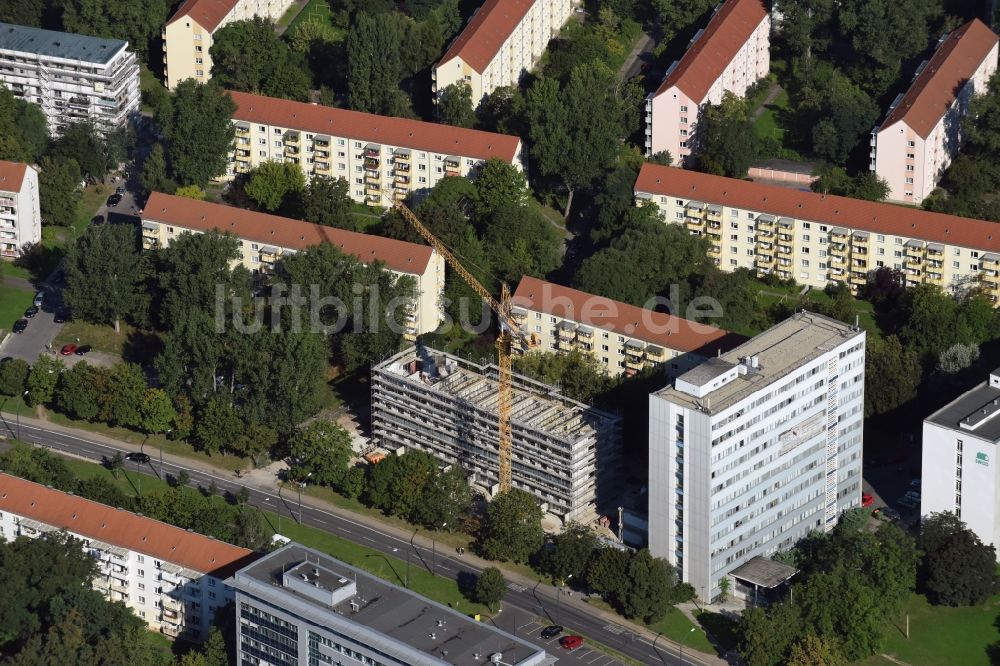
[269, 482]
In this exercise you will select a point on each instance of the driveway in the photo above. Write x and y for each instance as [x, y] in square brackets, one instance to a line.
[41, 330]
[639, 58]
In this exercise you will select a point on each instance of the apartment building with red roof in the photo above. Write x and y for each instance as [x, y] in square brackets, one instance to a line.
[382, 158]
[920, 135]
[20, 214]
[502, 41]
[265, 239]
[624, 338]
[188, 34]
[170, 577]
[818, 239]
[730, 54]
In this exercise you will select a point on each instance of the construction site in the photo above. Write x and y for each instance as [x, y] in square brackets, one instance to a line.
[563, 452]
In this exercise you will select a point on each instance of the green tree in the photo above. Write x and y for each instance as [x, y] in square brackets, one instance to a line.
[767, 635]
[511, 529]
[104, 275]
[255, 441]
[374, 66]
[446, 498]
[82, 143]
[672, 14]
[59, 190]
[892, 375]
[650, 581]
[24, 12]
[156, 411]
[606, 573]
[578, 375]
[218, 425]
[490, 587]
[138, 21]
[154, 172]
[117, 463]
[500, 186]
[245, 53]
[197, 127]
[321, 451]
[569, 553]
[13, 376]
[33, 129]
[272, 183]
[454, 105]
[74, 394]
[191, 192]
[866, 185]
[327, 201]
[727, 143]
[815, 651]
[126, 390]
[305, 33]
[958, 568]
[43, 379]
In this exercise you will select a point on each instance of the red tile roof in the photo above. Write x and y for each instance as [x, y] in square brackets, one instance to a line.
[482, 38]
[399, 132]
[12, 175]
[658, 328]
[880, 218]
[206, 13]
[121, 528]
[933, 91]
[283, 232]
[726, 33]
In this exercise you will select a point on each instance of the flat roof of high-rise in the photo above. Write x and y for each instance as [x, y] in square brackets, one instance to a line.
[778, 351]
[376, 613]
[66, 45]
[974, 412]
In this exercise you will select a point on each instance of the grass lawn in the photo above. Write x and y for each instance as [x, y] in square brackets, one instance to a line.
[10, 269]
[147, 81]
[100, 338]
[315, 10]
[676, 626]
[13, 303]
[93, 197]
[768, 123]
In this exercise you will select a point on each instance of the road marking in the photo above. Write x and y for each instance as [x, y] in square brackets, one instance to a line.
[614, 629]
[367, 538]
[514, 587]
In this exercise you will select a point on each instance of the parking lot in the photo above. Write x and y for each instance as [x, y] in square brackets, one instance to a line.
[530, 627]
[41, 330]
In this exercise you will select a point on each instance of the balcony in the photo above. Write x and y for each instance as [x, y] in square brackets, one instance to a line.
[838, 235]
[934, 278]
[715, 251]
[373, 199]
[293, 152]
[452, 167]
[634, 364]
[401, 156]
[765, 223]
[372, 151]
[694, 210]
[913, 263]
[715, 213]
[371, 164]
[859, 279]
[656, 354]
[373, 178]
[694, 224]
[584, 333]
[566, 345]
[784, 251]
[242, 129]
[118, 585]
[321, 167]
[915, 249]
[402, 180]
[291, 138]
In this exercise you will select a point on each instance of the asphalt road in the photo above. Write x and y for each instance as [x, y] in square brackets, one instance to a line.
[525, 610]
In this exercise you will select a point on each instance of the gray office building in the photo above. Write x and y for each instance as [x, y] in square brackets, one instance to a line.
[298, 606]
[71, 77]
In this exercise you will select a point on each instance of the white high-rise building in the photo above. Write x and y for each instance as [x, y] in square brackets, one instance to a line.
[751, 450]
[959, 463]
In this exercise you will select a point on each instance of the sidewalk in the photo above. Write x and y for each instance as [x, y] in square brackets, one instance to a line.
[260, 482]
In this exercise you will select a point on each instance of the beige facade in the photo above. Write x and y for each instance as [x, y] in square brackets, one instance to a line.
[20, 215]
[503, 40]
[817, 239]
[187, 36]
[622, 337]
[265, 239]
[921, 135]
[375, 154]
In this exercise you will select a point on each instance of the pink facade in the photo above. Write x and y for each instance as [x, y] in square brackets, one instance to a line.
[920, 136]
[729, 55]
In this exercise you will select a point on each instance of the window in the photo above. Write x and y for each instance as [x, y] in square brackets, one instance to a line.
[734, 237]
[552, 320]
[142, 586]
[141, 573]
[142, 600]
[684, 144]
[679, 216]
[909, 156]
[198, 49]
[734, 225]
[262, 142]
[911, 144]
[684, 132]
[805, 239]
[538, 329]
[805, 263]
[955, 264]
[684, 109]
[805, 225]
[605, 335]
[199, 61]
[199, 72]
[909, 181]
[684, 120]
[909, 167]
[357, 144]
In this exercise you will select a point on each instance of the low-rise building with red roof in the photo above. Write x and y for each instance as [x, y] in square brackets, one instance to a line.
[729, 55]
[624, 338]
[170, 577]
[382, 158]
[920, 135]
[265, 239]
[817, 239]
[502, 41]
[20, 214]
[188, 35]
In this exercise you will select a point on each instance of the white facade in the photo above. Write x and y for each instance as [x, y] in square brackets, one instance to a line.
[20, 216]
[754, 449]
[921, 134]
[729, 55]
[959, 468]
[72, 78]
[188, 35]
[502, 41]
[145, 564]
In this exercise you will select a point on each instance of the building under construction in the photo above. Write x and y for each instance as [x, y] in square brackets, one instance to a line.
[564, 452]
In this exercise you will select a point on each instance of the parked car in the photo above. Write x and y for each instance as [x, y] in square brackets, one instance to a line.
[551, 631]
[571, 642]
[114, 200]
[31, 312]
[39, 298]
[908, 502]
[61, 316]
[119, 190]
[20, 325]
[97, 219]
[82, 349]
[867, 500]
[914, 494]
[68, 350]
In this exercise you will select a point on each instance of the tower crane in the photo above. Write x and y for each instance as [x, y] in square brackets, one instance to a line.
[509, 331]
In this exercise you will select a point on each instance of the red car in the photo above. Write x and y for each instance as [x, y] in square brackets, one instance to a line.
[867, 500]
[571, 642]
[68, 350]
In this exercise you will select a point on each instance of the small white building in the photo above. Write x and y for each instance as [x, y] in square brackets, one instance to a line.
[169, 577]
[72, 77]
[920, 135]
[729, 55]
[959, 469]
[754, 449]
[20, 216]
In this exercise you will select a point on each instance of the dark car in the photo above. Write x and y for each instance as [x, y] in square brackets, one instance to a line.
[20, 325]
[97, 219]
[114, 200]
[141, 458]
[61, 316]
[31, 312]
[81, 350]
[551, 632]
[120, 190]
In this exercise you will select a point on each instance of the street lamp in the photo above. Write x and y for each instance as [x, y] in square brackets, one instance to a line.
[434, 551]
[680, 646]
[407, 584]
[302, 484]
[23, 396]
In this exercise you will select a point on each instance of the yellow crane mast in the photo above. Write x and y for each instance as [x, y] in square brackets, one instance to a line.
[505, 339]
